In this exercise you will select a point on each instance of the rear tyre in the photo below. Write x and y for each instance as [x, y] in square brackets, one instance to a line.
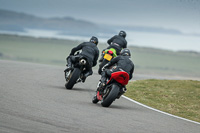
[110, 95]
[75, 75]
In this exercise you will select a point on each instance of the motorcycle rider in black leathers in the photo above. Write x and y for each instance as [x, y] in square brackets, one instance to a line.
[89, 51]
[118, 42]
[122, 62]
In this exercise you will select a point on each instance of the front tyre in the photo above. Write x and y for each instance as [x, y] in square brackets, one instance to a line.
[75, 75]
[110, 95]
[94, 99]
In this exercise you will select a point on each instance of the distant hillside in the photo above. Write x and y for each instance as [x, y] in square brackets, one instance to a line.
[14, 21]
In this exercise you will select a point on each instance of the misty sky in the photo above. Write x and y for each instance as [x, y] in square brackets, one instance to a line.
[182, 15]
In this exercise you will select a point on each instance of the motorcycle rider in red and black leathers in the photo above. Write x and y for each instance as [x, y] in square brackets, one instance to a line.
[121, 63]
[90, 51]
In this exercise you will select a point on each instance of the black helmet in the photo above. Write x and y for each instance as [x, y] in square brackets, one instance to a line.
[122, 33]
[125, 52]
[94, 40]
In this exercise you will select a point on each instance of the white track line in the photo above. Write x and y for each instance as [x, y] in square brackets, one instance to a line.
[159, 110]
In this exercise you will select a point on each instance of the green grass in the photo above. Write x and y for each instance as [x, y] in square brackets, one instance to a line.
[38, 50]
[178, 97]
[165, 62]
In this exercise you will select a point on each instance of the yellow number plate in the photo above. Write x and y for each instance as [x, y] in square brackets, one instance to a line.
[107, 57]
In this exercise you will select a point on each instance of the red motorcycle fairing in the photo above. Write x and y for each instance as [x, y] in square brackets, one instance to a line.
[120, 76]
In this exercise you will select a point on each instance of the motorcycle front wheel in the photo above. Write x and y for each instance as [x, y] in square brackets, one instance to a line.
[75, 75]
[95, 100]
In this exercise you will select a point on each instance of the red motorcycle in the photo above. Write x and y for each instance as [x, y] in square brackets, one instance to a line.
[114, 88]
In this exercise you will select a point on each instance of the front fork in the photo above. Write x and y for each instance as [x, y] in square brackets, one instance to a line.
[68, 75]
[99, 92]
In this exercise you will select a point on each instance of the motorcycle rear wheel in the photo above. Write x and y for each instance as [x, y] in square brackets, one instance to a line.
[110, 96]
[75, 75]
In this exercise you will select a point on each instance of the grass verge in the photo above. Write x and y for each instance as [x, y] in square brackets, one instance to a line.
[177, 97]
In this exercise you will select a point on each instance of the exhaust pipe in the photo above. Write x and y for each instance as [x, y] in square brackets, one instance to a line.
[82, 62]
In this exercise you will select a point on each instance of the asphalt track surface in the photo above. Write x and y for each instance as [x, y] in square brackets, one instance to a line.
[33, 99]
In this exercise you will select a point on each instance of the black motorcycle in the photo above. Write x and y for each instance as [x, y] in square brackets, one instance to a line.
[75, 75]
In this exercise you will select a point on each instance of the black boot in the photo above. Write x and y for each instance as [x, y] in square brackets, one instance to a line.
[85, 75]
[102, 55]
[103, 79]
[83, 78]
[101, 59]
